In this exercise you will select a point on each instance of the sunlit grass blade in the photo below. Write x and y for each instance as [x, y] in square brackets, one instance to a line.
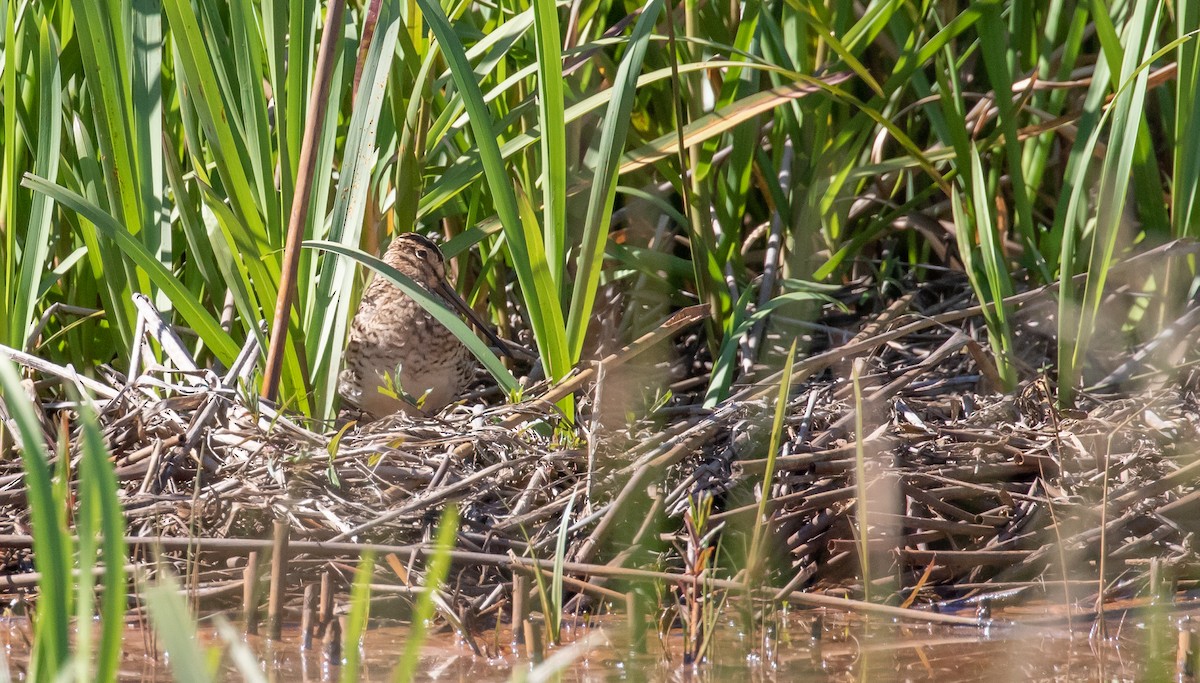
[1185, 195]
[995, 285]
[553, 142]
[552, 343]
[738, 325]
[458, 177]
[996, 49]
[755, 559]
[103, 44]
[100, 525]
[721, 121]
[10, 175]
[200, 76]
[146, 66]
[556, 581]
[244, 659]
[1126, 116]
[861, 499]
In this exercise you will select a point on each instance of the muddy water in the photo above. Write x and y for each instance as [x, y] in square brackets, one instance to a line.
[843, 649]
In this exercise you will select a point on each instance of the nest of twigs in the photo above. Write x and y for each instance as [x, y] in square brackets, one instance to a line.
[966, 491]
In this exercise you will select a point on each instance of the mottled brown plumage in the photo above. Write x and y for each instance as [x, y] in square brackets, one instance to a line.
[393, 336]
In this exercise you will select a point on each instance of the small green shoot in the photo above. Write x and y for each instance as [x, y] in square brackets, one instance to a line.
[860, 480]
[755, 562]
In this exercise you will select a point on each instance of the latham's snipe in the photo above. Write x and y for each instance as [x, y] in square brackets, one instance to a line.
[393, 336]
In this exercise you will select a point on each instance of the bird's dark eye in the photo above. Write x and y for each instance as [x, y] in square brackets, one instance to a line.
[422, 254]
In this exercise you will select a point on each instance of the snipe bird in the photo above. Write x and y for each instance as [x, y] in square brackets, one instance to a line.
[401, 359]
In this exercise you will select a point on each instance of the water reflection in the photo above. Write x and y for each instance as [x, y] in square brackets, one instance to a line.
[795, 646]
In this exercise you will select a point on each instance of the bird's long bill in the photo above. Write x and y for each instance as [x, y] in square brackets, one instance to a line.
[447, 292]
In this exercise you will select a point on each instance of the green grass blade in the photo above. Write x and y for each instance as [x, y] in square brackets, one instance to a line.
[10, 175]
[861, 499]
[200, 78]
[1185, 188]
[553, 141]
[755, 560]
[995, 285]
[994, 41]
[39, 232]
[146, 111]
[1126, 114]
[51, 541]
[244, 659]
[736, 327]
[103, 46]
[556, 581]
[98, 500]
[553, 344]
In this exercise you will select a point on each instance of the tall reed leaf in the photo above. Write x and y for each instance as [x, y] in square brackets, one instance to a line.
[175, 626]
[861, 499]
[556, 581]
[755, 559]
[326, 331]
[1185, 188]
[994, 43]
[614, 129]
[189, 308]
[51, 542]
[1127, 112]
[553, 145]
[543, 280]
[499, 183]
[987, 267]
[39, 231]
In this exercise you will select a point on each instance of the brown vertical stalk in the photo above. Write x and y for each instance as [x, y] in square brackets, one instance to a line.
[318, 101]
[325, 609]
[250, 593]
[308, 618]
[278, 579]
[533, 639]
[519, 608]
[637, 623]
[1185, 639]
[333, 640]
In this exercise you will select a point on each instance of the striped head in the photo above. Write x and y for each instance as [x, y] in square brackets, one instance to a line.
[419, 258]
